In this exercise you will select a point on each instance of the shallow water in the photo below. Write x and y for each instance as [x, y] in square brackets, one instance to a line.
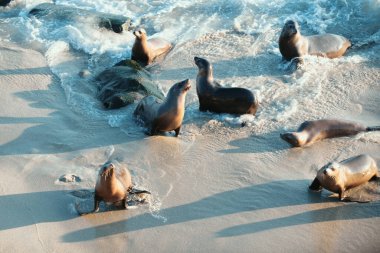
[240, 31]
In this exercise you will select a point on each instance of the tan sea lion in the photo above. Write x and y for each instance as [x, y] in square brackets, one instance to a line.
[349, 173]
[313, 131]
[215, 98]
[163, 116]
[292, 44]
[113, 186]
[145, 50]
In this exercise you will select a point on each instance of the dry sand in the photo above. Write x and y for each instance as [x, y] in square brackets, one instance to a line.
[218, 188]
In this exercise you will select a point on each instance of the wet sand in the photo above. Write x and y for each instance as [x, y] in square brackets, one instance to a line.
[216, 188]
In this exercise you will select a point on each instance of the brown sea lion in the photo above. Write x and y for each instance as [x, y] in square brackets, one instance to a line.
[145, 50]
[313, 131]
[292, 44]
[215, 98]
[113, 186]
[349, 173]
[163, 116]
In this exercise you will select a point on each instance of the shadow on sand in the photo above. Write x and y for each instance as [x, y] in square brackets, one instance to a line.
[20, 210]
[61, 131]
[338, 213]
[268, 142]
[248, 199]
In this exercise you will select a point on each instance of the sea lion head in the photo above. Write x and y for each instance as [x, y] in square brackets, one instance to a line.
[290, 29]
[291, 138]
[330, 172]
[204, 66]
[179, 88]
[107, 170]
[140, 33]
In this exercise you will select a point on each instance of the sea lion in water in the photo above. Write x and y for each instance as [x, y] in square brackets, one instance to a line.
[167, 115]
[215, 98]
[292, 44]
[349, 173]
[313, 131]
[113, 186]
[145, 50]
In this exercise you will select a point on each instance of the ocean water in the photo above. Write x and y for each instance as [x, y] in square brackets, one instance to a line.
[223, 31]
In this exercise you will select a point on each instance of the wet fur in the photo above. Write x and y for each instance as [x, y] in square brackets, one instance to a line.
[347, 174]
[292, 44]
[310, 132]
[215, 98]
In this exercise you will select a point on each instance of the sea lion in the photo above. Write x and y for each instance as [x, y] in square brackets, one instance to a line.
[292, 44]
[145, 50]
[163, 116]
[349, 173]
[215, 98]
[313, 131]
[113, 186]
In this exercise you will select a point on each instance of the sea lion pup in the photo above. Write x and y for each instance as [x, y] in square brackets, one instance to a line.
[313, 131]
[349, 173]
[215, 98]
[163, 116]
[292, 44]
[145, 50]
[113, 186]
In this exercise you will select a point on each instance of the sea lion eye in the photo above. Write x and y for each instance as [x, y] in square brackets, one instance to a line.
[332, 168]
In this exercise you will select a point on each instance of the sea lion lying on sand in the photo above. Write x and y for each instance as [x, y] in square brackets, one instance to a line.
[310, 132]
[215, 98]
[349, 173]
[293, 45]
[163, 116]
[145, 50]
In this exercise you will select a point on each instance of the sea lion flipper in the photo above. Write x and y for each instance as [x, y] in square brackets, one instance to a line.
[315, 185]
[97, 200]
[177, 131]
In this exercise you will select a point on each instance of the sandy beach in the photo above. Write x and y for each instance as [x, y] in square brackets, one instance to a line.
[218, 187]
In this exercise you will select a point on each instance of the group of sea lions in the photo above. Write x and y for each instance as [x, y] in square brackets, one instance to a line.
[166, 115]
[160, 114]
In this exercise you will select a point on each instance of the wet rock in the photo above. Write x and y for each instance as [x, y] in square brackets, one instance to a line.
[124, 84]
[52, 12]
[70, 178]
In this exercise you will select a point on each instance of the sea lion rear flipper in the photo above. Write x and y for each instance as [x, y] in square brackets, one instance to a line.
[315, 185]
[177, 131]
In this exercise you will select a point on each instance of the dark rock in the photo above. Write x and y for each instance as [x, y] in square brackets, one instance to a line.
[116, 23]
[125, 83]
[4, 2]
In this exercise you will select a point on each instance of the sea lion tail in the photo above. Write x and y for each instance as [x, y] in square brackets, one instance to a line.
[373, 128]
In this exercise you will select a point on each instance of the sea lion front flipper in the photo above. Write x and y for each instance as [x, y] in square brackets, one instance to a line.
[177, 131]
[342, 197]
[315, 185]
[96, 206]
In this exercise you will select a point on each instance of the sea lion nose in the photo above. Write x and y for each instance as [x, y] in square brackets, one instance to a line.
[325, 172]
